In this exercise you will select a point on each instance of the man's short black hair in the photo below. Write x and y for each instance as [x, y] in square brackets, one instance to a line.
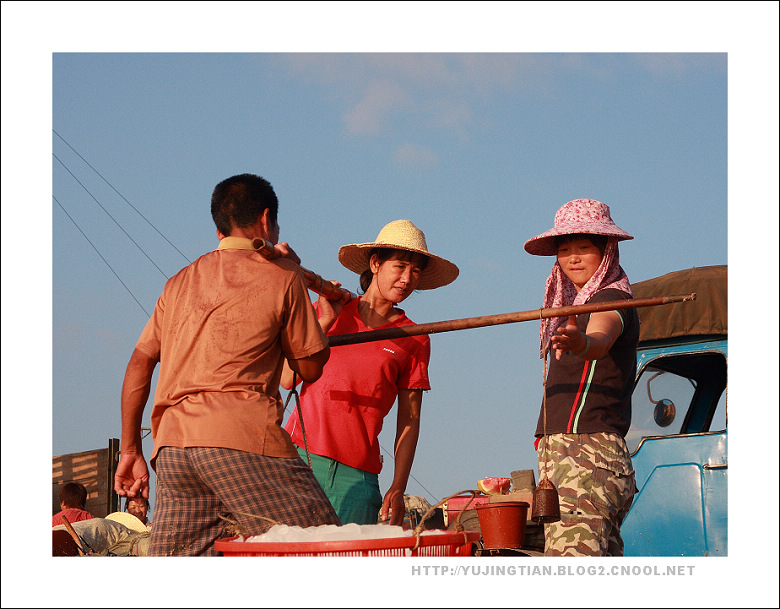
[240, 200]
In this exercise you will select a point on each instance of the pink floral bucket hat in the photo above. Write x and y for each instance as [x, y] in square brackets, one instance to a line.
[586, 216]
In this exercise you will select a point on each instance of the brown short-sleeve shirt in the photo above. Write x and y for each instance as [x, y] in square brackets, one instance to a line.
[221, 330]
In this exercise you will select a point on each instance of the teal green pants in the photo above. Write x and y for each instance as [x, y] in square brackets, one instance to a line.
[353, 493]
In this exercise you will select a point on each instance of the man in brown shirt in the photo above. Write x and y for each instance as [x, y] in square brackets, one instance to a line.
[221, 331]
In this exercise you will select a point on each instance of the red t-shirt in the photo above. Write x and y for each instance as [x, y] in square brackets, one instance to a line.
[72, 514]
[344, 409]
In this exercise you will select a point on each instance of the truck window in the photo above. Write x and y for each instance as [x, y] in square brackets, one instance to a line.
[720, 418]
[659, 404]
[679, 394]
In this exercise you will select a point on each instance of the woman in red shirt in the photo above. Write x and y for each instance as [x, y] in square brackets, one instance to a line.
[343, 411]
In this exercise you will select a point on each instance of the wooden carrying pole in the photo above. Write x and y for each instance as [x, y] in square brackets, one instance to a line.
[317, 284]
[83, 546]
[313, 281]
[504, 318]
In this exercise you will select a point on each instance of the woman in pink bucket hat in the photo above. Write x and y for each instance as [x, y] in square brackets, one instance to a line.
[587, 408]
[343, 411]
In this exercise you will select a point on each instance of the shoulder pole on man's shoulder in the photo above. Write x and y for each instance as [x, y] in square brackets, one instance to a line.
[313, 281]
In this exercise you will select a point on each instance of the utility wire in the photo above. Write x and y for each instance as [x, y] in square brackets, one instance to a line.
[112, 217]
[121, 195]
[101, 255]
[430, 494]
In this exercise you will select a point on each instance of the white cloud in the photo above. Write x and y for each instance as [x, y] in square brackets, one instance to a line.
[389, 94]
[372, 88]
[451, 114]
[372, 112]
[414, 155]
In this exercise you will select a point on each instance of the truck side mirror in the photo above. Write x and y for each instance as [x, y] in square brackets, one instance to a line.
[664, 412]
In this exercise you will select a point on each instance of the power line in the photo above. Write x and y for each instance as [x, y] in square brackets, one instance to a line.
[121, 195]
[110, 216]
[430, 494]
[101, 255]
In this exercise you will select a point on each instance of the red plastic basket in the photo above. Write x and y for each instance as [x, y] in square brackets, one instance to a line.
[443, 543]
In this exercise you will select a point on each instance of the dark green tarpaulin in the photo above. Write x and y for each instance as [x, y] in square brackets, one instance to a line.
[707, 315]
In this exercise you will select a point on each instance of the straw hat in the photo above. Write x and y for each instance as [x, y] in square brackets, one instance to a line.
[586, 216]
[131, 522]
[401, 235]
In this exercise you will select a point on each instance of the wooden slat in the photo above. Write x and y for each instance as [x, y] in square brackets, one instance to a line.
[95, 470]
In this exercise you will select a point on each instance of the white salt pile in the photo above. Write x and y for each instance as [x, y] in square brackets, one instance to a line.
[331, 532]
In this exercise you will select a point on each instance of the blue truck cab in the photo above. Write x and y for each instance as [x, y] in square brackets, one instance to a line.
[678, 435]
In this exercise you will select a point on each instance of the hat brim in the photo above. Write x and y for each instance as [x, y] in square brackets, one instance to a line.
[439, 272]
[131, 522]
[544, 244]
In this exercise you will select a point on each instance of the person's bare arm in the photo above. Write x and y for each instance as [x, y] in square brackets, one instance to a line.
[309, 368]
[407, 433]
[603, 330]
[132, 473]
[329, 311]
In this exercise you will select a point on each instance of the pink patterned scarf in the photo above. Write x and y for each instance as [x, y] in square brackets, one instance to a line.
[559, 291]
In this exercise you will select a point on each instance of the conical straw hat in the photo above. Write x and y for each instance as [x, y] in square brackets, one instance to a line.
[401, 235]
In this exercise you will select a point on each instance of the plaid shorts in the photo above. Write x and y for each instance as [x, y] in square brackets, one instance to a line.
[205, 493]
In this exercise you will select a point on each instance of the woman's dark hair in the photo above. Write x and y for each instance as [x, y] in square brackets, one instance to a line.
[240, 200]
[387, 253]
[74, 495]
[600, 241]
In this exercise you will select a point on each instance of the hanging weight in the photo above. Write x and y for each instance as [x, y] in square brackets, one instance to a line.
[545, 503]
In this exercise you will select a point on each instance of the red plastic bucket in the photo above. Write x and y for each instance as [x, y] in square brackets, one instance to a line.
[503, 523]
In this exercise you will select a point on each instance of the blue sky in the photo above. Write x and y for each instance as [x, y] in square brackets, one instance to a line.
[478, 143]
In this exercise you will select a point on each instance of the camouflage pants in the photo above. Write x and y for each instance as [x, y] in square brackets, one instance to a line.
[595, 482]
